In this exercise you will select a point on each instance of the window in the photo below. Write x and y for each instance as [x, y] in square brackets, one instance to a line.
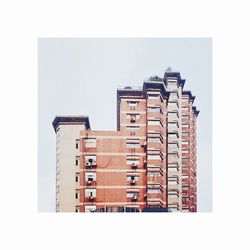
[77, 194]
[173, 169]
[185, 159]
[153, 96]
[173, 145]
[132, 128]
[185, 125]
[173, 115]
[154, 173]
[185, 134]
[173, 106]
[186, 188]
[173, 125]
[89, 209]
[90, 192]
[154, 122]
[173, 96]
[185, 151]
[172, 182]
[130, 162]
[132, 103]
[132, 194]
[77, 161]
[154, 191]
[90, 142]
[154, 109]
[173, 135]
[89, 176]
[77, 209]
[133, 145]
[185, 142]
[130, 178]
[154, 157]
[154, 139]
[90, 158]
[77, 177]
[185, 116]
[77, 144]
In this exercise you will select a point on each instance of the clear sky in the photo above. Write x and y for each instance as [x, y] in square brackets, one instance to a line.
[78, 75]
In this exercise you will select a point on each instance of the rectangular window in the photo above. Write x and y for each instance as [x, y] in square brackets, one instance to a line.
[186, 188]
[77, 161]
[154, 173]
[77, 144]
[89, 209]
[154, 157]
[77, 194]
[173, 106]
[185, 125]
[154, 139]
[77, 177]
[173, 135]
[173, 115]
[130, 162]
[154, 191]
[172, 182]
[173, 145]
[90, 158]
[173, 96]
[185, 159]
[185, 134]
[132, 194]
[90, 192]
[133, 103]
[90, 176]
[133, 145]
[185, 142]
[132, 128]
[154, 109]
[154, 122]
[154, 96]
[90, 142]
[130, 178]
[173, 169]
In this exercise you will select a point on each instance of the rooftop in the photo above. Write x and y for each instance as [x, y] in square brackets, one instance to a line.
[71, 120]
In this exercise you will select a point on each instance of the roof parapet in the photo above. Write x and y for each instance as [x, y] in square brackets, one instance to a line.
[70, 120]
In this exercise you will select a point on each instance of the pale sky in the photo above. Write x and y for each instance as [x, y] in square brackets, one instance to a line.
[78, 75]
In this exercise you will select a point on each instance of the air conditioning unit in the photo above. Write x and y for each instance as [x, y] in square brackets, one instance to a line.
[89, 182]
[132, 133]
[134, 198]
[93, 164]
[132, 119]
[134, 165]
[132, 181]
[88, 164]
[91, 197]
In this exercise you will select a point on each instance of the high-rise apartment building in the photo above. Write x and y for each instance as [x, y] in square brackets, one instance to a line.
[149, 163]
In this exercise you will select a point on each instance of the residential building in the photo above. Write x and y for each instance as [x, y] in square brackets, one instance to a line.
[148, 163]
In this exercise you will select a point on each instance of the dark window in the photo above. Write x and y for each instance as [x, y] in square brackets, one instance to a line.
[76, 162]
[76, 145]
